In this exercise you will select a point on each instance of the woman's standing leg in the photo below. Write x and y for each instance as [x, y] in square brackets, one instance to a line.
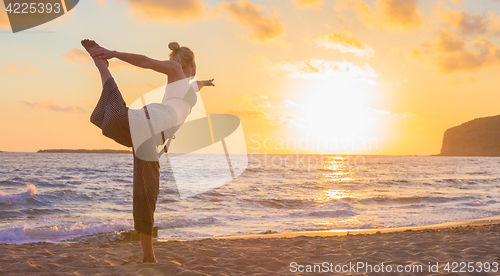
[146, 190]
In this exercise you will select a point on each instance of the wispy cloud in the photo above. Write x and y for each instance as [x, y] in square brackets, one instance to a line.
[76, 55]
[254, 100]
[469, 24]
[175, 11]
[389, 14]
[17, 69]
[289, 103]
[264, 28]
[266, 104]
[345, 42]
[52, 105]
[322, 69]
[284, 121]
[453, 54]
[315, 4]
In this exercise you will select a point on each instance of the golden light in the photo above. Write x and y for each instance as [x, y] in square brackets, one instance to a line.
[340, 114]
[329, 195]
[338, 167]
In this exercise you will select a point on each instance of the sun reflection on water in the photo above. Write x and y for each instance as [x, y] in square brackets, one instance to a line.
[338, 169]
[329, 195]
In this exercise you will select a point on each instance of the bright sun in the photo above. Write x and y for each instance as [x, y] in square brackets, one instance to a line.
[340, 112]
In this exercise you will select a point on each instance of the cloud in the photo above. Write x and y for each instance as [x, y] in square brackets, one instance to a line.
[345, 42]
[289, 121]
[409, 115]
[448, 41]
[264, 28]
[248, 114]
[317, 68]
[180, 11]
[254, 100]
[266, 104]
[76, 55]
[389, 14]
[465, 23]
[285, 121]
[289, 103]
[469, 24]
[416, 54]
[17, 69]
[52, 105]
[254, 103]
[452, 54]
[315, 4]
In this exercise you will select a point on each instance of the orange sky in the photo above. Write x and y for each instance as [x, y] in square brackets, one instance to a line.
[304, 76]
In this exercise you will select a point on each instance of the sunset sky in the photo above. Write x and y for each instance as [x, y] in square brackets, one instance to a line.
[344, 76]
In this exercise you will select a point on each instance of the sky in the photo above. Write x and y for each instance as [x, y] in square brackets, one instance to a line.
[383, 77]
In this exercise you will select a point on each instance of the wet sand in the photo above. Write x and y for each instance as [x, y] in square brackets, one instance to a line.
[275, 254]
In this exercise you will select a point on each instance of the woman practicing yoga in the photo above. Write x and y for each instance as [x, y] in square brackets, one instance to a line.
[115, 120]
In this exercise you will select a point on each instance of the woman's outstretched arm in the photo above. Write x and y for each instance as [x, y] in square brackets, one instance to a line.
[166, 67]
[204, 83]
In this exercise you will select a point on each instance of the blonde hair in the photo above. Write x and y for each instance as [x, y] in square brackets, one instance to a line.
[183, 55]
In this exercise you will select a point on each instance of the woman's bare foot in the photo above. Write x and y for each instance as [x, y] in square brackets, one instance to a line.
[145, 260]
[89, 45]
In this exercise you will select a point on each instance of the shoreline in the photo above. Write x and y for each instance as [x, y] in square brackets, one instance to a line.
[131, 235]
[430, 250]
[345, 232]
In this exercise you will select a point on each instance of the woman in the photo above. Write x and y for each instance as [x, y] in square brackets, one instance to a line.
[112, 116]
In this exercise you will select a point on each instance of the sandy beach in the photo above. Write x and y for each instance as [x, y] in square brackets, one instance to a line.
[413, 249]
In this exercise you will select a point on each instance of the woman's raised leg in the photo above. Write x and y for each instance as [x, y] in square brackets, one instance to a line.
[111, 112]
[101, 64]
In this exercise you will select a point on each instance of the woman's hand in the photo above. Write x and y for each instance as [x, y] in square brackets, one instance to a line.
[102, 53]
[201, 84]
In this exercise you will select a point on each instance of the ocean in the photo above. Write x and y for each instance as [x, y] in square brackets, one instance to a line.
[61, 197]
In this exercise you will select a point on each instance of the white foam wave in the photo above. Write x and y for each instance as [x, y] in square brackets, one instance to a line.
[25, 234]
[187, 222]
[18, 198]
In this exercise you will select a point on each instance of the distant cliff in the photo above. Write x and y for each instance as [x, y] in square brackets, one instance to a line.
[82, 151]
[479, 137]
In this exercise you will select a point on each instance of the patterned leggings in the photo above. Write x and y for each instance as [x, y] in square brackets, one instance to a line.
[111, 116]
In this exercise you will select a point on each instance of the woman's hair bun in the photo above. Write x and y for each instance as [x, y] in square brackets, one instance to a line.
[174, 46]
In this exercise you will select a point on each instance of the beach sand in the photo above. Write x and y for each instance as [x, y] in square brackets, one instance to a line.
[269, 254]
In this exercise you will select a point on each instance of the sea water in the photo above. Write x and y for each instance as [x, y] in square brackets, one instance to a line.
[62, 197]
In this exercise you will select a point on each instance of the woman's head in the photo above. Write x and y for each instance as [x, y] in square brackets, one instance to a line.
[184, 56]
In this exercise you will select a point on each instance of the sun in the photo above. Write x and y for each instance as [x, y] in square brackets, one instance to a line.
[340, 112]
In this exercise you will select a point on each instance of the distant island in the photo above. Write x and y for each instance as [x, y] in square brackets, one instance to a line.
[479, 137]
[82, 151]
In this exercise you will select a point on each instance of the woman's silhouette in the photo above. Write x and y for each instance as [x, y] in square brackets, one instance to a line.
[115, 119]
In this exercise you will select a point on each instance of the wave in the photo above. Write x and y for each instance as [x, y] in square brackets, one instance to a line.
[280, 203]
[18, 198]
[411, 199]
[333, 214]
[183, 222]
[25, 234]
